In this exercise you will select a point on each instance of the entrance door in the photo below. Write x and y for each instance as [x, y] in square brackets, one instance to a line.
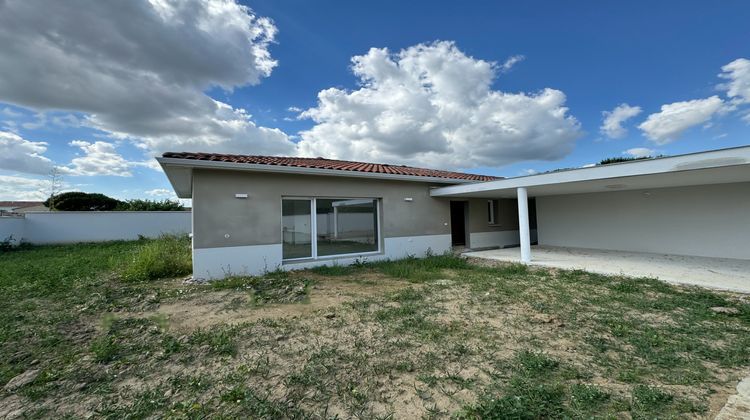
[458, 223]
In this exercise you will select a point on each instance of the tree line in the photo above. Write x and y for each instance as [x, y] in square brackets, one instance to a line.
[81, 201]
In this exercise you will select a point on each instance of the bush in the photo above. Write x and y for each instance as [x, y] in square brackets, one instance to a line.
[81, 201]
[150, 205]
[167, 256]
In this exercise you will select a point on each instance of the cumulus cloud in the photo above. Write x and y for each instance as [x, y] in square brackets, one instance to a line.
[19, 154]
[160, 192]
[737, 75]
[145, 80]
[638, 152]
[23, 188]
[667, 125]
[433, 105]
[613, 120]
[100, 158]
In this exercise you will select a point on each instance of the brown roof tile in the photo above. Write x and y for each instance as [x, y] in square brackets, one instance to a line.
[321, 163]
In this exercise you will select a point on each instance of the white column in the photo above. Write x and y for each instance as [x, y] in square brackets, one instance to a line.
[336, 222]
[523, 224]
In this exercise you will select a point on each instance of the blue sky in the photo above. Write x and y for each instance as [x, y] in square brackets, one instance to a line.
[139, 90]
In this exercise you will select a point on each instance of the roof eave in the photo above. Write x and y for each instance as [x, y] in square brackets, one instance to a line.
[701, 160]
[183, 187]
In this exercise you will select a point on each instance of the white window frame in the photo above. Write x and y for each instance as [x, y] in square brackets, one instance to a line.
[491, 210]
[314, 228]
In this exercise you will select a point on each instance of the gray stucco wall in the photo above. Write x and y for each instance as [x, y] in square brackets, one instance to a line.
[710, 221]
[506, 219]
[257, 219]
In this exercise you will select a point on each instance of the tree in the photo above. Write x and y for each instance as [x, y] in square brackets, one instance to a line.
[619, 159]
[55, 185]
[81, 201]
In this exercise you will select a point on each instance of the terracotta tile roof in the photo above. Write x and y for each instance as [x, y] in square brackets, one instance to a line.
[21, 204]
[321, 163]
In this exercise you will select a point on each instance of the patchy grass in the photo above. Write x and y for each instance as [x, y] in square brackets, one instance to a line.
[438, 337]
[274, 287]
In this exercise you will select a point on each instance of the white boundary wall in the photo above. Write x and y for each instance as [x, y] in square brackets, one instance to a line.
[90, 226]
[12, 228]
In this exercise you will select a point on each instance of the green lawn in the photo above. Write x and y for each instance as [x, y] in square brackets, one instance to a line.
[438, 337]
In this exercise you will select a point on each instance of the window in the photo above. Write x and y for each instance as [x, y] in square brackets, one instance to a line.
[492, 212]
[339, 226]
[296, 229]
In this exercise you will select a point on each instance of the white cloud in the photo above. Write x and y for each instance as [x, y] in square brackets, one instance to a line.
[613, 120]
[638, 152]
[667, 125]
[7, 112]
[529, 172]
[432, 105]
[100, 158]
[737, 74]
[145, 80]
[19, 154]
[23, 188]
[160, 192]
[510, 62]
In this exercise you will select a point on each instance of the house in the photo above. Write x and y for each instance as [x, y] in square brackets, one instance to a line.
[21, 206]
[257, 213]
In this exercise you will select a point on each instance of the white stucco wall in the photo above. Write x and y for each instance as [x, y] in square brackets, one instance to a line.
[707, 221]
[12, 229]
[71, 227]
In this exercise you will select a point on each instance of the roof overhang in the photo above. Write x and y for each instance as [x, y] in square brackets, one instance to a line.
[180, 173]
[712, 167]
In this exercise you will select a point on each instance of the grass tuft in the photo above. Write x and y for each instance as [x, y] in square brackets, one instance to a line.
[166, 256]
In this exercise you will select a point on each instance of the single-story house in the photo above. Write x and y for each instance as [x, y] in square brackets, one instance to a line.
[258, 213]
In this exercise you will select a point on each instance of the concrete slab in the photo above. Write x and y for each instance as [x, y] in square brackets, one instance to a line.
[716, 273]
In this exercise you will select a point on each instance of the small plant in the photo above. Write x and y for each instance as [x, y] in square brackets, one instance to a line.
[105, 348]
[219, 342]
[650, 399]
[166, 256]
[333, 270]
[587, 397]
[536, 363]
[7, 244]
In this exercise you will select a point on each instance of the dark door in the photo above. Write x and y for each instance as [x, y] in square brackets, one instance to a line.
[458, 223]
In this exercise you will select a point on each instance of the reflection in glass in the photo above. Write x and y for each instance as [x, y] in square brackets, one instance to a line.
[296, 228]
[346, 226]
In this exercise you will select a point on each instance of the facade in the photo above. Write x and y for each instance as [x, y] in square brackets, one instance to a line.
[253, 214]
[249, 218]
[696, 204]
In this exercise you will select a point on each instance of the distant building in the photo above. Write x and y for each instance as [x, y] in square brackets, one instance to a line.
[21, 206]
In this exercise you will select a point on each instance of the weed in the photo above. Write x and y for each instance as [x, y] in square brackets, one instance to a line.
[166, 256]
[650, 399]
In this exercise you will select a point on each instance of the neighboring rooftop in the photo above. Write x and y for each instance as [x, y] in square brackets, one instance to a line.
[20, 204]
[329, 164]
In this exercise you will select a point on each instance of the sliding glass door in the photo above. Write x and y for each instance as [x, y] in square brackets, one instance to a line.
[346, 226]
[324, 227]
[297, 233]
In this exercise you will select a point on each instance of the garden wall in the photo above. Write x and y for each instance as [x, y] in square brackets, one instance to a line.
[72, 227]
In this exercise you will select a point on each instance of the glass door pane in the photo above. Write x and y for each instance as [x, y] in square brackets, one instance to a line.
[346, 226]
[296, 234]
